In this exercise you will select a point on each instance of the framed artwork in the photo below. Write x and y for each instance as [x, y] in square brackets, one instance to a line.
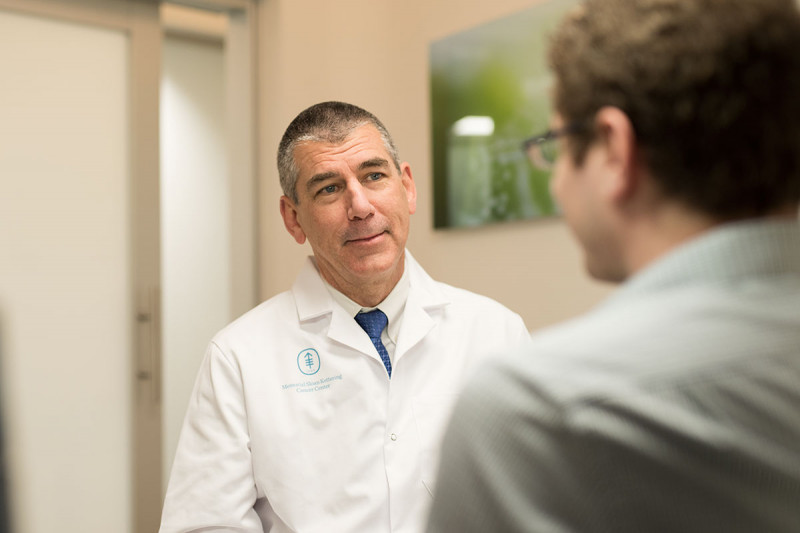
[489, 92]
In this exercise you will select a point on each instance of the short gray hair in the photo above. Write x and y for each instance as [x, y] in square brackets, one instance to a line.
[330, 122]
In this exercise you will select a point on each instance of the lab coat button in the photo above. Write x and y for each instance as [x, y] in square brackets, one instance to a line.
[393, 436]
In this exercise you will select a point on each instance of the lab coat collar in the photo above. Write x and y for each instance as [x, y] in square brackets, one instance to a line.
[310, 295]
[425, 297]
[314, 303]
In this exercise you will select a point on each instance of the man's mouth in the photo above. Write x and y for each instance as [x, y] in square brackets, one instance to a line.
[366, 239]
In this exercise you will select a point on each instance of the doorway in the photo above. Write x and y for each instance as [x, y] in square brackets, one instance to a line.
[208, 210]
[208, 254]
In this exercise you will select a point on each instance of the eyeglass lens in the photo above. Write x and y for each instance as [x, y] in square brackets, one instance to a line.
[544, 155]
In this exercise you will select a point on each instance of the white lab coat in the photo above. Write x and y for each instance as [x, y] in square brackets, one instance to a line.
[294, 425]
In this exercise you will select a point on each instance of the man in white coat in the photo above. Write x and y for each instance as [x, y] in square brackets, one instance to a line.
[303, 420]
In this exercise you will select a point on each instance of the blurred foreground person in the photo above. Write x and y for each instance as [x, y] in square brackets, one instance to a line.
[675, 405]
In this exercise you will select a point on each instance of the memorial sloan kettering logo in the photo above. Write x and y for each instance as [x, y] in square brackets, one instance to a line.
[309, 363]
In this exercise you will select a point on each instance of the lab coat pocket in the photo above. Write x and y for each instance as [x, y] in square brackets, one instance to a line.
[431, 414]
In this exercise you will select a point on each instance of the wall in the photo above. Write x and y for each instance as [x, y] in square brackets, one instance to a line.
[374, 53]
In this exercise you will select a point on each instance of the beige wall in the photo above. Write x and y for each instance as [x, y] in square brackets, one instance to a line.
[374, 53]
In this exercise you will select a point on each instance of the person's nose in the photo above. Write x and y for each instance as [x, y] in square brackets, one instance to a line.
[359, 206]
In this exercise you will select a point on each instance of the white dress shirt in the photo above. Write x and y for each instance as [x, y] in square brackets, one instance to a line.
[392, 306]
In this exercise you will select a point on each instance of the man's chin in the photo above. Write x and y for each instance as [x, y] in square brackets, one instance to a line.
[376, 263]
[604, 273]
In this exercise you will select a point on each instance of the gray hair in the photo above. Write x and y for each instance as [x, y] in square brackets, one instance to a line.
[330, 122]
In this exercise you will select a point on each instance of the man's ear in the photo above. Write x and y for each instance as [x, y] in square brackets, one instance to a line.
[289, 214]
[616, 131]
[410, 187]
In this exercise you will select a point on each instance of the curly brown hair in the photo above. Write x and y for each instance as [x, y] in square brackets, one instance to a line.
[712, 88]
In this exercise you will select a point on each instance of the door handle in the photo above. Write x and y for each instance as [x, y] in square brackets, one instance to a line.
[148, 349]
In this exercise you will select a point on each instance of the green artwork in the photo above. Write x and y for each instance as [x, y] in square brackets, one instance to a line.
[489, 90]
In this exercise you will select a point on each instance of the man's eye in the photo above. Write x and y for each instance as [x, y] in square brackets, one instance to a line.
[375, 176]
[328, 189]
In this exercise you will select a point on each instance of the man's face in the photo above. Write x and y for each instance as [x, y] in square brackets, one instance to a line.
[353, 206]
[580, 193]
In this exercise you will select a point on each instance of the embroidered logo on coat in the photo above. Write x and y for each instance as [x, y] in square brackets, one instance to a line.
[308, 361]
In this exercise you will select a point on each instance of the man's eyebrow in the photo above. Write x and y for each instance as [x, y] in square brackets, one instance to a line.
[374, 162]
[317, 178]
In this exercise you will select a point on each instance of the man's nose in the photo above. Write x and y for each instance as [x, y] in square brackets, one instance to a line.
[359, 206]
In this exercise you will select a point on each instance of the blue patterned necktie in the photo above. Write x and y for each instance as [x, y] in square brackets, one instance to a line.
[373, 323]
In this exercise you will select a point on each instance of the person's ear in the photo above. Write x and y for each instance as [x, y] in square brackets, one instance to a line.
[410, 187]
[289, 215]
[616, 131]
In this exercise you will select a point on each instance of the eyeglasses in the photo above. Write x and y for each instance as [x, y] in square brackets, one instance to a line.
[542, 149]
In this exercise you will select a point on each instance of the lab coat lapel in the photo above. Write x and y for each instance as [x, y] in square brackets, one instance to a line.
[420, 315]
[314, 301]
[345, 330]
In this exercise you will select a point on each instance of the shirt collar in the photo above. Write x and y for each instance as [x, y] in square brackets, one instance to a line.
[392, 305]
[729, 253]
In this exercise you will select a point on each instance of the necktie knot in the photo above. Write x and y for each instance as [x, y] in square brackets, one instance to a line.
[374, 322]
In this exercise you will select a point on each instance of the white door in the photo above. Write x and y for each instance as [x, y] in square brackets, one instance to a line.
[79, 294]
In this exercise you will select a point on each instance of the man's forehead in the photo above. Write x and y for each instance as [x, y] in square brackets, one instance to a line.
[365, 133]
[363, 147]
